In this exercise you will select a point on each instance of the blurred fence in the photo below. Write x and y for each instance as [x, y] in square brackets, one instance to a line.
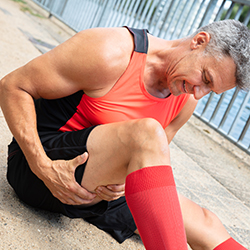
[228, 113]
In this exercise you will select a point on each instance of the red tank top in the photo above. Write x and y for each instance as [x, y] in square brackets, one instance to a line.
[128, 99]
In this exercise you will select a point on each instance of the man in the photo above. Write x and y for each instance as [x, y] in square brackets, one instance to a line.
[121, 95]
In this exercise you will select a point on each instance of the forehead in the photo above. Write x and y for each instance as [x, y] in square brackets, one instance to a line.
[221, 73]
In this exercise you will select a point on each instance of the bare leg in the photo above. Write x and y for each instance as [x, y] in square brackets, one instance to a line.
[203, 228]
[138, 151]
[117, 149]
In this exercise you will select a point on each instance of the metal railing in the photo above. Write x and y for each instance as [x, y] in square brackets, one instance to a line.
[228, 113]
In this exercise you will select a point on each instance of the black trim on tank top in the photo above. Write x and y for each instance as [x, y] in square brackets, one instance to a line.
[140, 39]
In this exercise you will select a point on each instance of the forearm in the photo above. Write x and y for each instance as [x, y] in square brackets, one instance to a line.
[19, 111]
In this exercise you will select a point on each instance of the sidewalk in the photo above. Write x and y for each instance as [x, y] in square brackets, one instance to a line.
[208, 169]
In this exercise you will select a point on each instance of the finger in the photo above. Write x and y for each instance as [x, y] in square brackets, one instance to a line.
[85, 156]
[75, 193]
[103, 196]
[68, 201]
[116, 187]
[83, 193]
[105, 192]
[106, 197]
[74, 199]
[79, 160]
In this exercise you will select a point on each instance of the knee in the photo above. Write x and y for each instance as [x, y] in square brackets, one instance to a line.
[148, 129]
[148, 134]
[209, 226]
[208, 218]
[153, 129]
[211, 223]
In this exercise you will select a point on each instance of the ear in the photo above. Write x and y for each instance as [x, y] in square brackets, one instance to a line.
[200, 40]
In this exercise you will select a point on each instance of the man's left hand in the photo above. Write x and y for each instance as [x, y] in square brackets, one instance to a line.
[111, 192]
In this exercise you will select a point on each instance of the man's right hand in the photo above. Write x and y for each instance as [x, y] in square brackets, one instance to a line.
[60, 180]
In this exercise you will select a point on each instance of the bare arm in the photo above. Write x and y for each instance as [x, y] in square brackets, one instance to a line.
[78, 64]
[181, 118]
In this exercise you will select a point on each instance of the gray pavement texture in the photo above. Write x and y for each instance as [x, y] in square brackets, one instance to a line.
[208, 169]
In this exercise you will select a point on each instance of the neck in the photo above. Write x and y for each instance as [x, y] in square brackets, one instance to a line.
[154, 74]
[157, 63]
[155, 86]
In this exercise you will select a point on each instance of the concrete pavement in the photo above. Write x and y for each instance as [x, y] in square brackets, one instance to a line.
[208, 169]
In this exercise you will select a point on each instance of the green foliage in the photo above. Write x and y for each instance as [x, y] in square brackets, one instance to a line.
[19, 1]
[234, 12]
[25, 8]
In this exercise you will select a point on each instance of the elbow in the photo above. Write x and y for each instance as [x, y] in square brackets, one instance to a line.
[1, 84]
[17, 86]
[6, 88]
[4, 83]
[2, 89]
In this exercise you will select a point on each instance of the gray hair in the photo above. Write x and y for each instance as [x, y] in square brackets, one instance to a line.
[231, 38]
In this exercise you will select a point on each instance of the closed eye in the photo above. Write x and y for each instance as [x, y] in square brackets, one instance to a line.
[208, 81]
[205, 80]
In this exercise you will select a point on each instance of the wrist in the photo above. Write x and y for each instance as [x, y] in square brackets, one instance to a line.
[39, 163]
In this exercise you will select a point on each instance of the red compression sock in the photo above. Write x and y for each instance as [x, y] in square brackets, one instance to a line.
[230, 244]
[152, 199]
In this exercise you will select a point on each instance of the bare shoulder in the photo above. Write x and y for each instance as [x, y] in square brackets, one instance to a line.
[92, 60]
[104, 43]
[108, 52]
[101, 55]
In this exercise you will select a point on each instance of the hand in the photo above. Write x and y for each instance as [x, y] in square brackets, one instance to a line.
[60, 180]
[111, 192]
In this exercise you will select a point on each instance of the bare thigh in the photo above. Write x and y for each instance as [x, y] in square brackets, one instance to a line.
[117, 149]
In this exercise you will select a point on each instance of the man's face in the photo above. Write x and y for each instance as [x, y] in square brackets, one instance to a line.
[198, 74]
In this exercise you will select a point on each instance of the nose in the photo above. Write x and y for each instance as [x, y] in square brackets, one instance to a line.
[200, 91]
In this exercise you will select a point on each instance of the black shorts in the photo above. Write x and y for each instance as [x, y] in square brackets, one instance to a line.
[113, 217]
